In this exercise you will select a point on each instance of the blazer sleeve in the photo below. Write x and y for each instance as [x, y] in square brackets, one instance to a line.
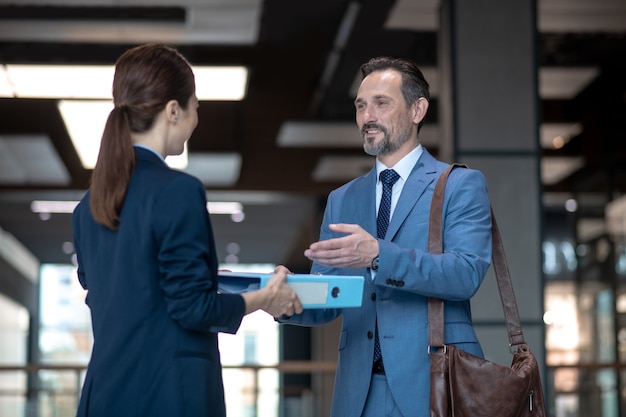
[188, 263]
[457, 273]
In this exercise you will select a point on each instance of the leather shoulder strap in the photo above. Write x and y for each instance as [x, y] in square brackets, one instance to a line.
[501, 269]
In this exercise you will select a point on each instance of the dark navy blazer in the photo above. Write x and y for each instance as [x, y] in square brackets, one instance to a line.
[151, 288]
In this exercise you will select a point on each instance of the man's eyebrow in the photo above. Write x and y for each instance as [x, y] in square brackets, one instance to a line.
[376, 97]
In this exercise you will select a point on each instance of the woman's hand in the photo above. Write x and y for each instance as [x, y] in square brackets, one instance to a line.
[276, 298]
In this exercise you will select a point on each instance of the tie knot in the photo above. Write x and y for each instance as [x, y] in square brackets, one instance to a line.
[389, 176]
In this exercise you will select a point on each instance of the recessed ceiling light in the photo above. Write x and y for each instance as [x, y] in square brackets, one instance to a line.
[95, 81]
[85, 121]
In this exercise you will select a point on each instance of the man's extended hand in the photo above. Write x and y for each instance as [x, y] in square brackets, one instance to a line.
[355, 250]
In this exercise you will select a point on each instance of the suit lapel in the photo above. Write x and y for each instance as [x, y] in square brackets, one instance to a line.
[364, 202]
[423, 174]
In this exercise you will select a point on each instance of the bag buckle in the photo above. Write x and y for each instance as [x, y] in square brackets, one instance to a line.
[430, 349]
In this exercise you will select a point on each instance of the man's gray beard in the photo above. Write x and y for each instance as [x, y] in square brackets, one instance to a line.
[385, 146]
[375, 149]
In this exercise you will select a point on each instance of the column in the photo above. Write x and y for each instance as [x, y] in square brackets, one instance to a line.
[489, 120]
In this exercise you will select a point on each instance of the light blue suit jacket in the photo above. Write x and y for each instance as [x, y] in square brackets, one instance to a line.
[406, 277]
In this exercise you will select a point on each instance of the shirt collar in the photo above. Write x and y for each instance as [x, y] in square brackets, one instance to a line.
[404, 166]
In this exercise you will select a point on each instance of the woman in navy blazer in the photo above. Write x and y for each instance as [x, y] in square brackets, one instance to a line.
[146, 256]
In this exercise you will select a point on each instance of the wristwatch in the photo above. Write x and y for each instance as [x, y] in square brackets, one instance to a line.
[374, 266]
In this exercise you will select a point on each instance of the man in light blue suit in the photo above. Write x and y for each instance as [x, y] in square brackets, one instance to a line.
[400, 274]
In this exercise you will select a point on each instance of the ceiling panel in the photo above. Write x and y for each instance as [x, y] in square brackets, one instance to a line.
[30, 159]
[184, 22]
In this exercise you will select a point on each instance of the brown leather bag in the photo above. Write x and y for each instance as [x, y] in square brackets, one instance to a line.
[464, 385]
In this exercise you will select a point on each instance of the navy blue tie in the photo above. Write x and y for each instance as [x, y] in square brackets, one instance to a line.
[388, 177]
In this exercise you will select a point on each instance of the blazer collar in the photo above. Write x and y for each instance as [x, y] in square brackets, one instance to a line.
[362, 201]
[423, 174]
[143, 154]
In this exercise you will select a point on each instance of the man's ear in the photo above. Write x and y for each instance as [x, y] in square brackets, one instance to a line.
[420, 107]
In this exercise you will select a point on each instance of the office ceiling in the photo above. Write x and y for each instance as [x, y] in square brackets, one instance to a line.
[294, 134]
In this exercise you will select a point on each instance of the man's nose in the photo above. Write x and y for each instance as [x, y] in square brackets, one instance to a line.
[368, 116]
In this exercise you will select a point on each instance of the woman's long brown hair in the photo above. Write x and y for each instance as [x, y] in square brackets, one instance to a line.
[146, 78]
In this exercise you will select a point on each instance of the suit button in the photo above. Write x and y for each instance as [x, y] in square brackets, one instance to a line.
[370, 335]
[401, 283]
[373, 296]
[389, 281]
